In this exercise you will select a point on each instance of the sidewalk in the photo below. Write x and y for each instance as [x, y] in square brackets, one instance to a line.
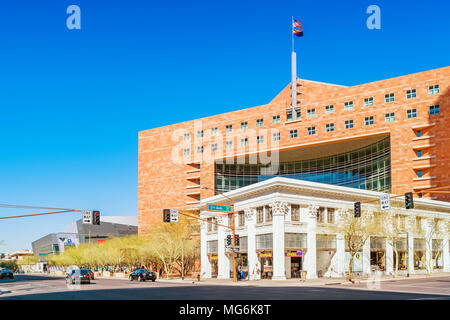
[298, 282]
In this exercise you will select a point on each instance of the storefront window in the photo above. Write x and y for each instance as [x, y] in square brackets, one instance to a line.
[211, 246]
[437, 254]
[419, 254]
[324, 241]
[378, 253]
[400, 246]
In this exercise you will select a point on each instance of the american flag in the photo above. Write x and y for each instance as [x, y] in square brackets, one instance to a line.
[297, 28]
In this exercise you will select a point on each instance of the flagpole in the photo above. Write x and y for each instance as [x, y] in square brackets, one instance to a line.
[294, 76]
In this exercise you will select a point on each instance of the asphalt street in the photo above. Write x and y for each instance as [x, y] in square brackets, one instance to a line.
[33, 287]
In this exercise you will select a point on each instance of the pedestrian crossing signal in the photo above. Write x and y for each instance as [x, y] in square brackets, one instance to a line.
[229, 240]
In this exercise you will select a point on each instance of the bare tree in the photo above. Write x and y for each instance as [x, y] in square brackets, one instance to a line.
[356, 231]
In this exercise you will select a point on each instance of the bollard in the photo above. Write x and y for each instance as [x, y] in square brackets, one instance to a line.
[198, 277]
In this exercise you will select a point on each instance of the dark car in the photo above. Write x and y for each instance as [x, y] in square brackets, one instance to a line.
[142, 275]
[6, 273]
[78, 276]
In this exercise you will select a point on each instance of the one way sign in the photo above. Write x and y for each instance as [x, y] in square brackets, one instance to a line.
[385, 202]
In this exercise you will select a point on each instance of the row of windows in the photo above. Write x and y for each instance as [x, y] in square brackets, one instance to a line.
[389, 117]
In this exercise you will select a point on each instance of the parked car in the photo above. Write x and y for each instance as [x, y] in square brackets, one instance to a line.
[6, 273]
[142, 275]
[91, 273]
[78, 276]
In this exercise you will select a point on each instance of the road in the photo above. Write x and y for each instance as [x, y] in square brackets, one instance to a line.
[32, 287]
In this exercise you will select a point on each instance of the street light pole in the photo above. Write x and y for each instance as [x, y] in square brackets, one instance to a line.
[182, 260]
[233, 230]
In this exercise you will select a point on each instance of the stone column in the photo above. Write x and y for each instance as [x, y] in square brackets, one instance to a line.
[340, 255]
[310, 260]
[410, 221]
[250, 217]
[427, 226]
[445, 253]
[389, 258]
[369, 217]
[223, 261]
[204, 261]
[279, 210]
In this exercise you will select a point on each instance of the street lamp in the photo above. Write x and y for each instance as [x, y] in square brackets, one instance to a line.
[232, 229]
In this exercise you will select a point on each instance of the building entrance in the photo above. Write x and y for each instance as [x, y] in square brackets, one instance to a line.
[296, 266]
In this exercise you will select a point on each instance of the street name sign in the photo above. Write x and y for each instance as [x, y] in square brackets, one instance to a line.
[215, 207]
[385, 202]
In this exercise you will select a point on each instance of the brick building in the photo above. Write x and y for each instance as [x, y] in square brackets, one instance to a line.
[391, 135]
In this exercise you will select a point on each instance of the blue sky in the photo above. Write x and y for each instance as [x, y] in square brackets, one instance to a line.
[72, 101]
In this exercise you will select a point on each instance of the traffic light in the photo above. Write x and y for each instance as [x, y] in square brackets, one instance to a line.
[166, 215]
[409, 201]
[236, 240]
[357, 209]
[229, 240]
[96, 217]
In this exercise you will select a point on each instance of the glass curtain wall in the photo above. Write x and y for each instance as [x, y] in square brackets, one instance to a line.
[367, 168]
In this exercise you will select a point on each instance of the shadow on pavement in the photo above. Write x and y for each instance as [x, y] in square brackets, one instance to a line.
[224, 293]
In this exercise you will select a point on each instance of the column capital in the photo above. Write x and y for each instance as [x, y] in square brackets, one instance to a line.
[220, 220]
[203, 225]
[250, 214]
[312, 211]
[279, 208]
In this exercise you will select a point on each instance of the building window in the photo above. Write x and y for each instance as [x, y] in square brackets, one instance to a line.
[200, 134]
[368, 102]
[214, 131]
[264, 241]
[200, 149]
[186, 136]
[311, 130]
[389, 97]
[410, 94]
[198, 166]
[435, 109]
[244, 142]
[295, 212]
[214, 147]
[368, 121]
[276, 136]
[295, 240]
[419, 153]
[330, 215]
[244, 125]
[276, 119]
[259, 139]
[321, 215]
[348, 124]
[268, 214]
[289, 114]
[329, 127]
[411, 113]
[259, 215]
[186, 152]
[198, 198]
[433, 89]
[259, 122]
[229, 144]
[212, 245]
[389, 117]
[311, 112]
[198, 181]
[241, 218]
[229, 128]
[348, 105]
[329, 109]
[418, 133]
[419, 173]
[293, 133]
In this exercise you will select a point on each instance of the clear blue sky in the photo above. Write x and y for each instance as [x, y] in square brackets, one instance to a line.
[72, 101]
